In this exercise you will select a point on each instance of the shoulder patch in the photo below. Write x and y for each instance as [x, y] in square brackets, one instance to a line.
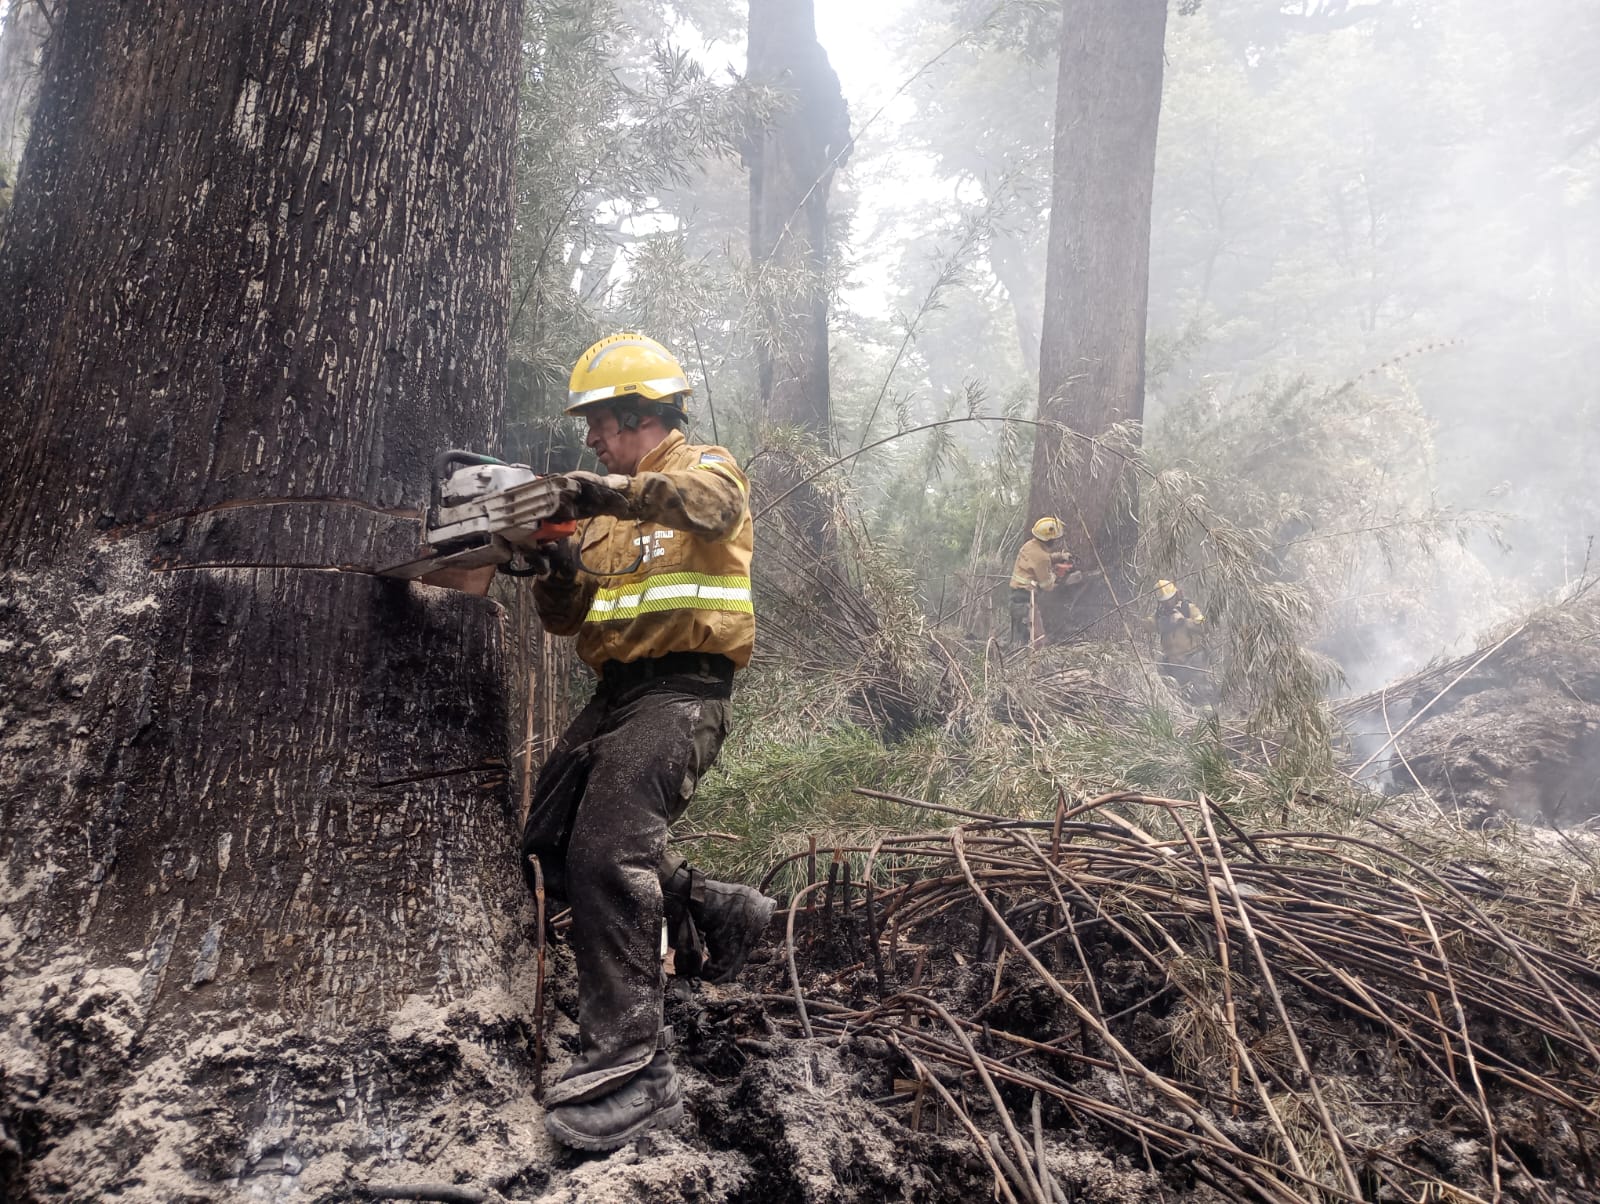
[723, 466]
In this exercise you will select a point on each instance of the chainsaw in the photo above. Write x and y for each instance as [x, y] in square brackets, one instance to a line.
[483, 511]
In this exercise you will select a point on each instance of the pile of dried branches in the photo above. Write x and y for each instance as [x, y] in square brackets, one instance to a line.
[838, 610]
[1283, 1016]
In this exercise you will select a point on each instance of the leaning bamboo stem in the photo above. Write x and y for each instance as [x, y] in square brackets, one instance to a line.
[1334, 1136]
[1466, 1045]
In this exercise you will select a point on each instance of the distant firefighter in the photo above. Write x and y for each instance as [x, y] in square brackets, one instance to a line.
[1042, 564]
[1180, 625]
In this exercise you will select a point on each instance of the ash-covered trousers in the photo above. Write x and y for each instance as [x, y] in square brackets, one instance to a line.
[1021, 616]
[623, 771]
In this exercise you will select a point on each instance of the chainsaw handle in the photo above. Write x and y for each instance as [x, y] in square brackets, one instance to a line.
[537, 560]
[456, 455]
[555, 532]
[441, 473]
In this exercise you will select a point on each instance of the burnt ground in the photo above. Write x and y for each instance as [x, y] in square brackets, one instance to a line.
[845, 1117]
[1375, 1089]
[775, 1119]
[841, 1118]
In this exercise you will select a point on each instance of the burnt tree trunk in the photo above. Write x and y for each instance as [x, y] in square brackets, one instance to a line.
[260, 909]
[21, 41]
[792, 158]
[1091, 373]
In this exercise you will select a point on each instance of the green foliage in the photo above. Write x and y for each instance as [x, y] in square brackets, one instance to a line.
[1261, 623]
[1339, 486]
[788, 773]
[613, 127]
[841, 620]
[954, 506]
[949, 547]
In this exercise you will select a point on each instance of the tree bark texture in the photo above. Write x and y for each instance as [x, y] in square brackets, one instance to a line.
[259, 900]
[792, 159]
[1091, 375]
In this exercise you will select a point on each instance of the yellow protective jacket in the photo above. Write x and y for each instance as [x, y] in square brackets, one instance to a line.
[1034, 567]
[1179, 625]
[674, 575]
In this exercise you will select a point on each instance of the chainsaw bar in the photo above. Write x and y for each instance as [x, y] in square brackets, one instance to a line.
[495, 551]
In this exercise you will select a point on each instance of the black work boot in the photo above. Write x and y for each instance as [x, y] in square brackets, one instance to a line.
[649, 1100]
[726, 917]
[731, 918]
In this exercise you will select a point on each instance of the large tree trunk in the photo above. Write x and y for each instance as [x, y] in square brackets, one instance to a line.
[259, 902]
[792, 159]
[1091, 375]
[21, 41]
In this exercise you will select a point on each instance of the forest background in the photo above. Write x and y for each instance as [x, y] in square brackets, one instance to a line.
[1370, 350]
[1336, 188]
[1370, 317]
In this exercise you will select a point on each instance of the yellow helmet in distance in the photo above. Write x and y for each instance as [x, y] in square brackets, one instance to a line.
[626, 365]
[1048, 528]
[1167, 590]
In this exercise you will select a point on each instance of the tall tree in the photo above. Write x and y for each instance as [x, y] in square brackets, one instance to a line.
[253, 829]
[792, 156]
[994, 69]
[1091, 373]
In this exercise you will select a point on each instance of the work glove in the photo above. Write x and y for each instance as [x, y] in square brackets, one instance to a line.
[560, 560]
[586, 494]
[555, 561]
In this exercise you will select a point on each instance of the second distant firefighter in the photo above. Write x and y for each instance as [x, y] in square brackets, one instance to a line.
[1180, 626]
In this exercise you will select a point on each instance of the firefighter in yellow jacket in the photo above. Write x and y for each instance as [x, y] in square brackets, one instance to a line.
[655, 585]
[1042, 563]
[1180, 625]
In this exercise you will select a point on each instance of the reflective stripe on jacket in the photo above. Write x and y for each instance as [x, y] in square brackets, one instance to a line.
[671, 591]
[674, 575]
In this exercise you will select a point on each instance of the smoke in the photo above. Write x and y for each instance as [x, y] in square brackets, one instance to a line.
[1412, 185]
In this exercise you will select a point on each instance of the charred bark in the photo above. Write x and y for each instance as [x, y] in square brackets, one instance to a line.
[1091, 376]
[254, 827]
[792, 159]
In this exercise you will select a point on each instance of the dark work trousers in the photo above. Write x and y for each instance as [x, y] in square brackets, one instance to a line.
[1021, 616]
[623, 771]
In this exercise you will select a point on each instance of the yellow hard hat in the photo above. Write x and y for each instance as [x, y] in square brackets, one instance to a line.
[626, 365]
[1167, 590]
[1049, 528]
